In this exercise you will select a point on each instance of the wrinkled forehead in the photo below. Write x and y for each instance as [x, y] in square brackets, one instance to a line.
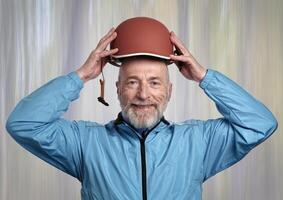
[145, 67]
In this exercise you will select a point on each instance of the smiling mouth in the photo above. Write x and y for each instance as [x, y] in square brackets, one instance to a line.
[142, 106]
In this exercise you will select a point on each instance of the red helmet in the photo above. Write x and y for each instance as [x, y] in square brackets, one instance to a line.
[141, 36]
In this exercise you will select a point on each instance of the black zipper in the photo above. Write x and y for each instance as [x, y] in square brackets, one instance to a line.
[143, 160]
[143, 167]
[142, 143]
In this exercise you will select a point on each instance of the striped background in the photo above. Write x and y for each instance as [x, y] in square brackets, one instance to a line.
[40, 40]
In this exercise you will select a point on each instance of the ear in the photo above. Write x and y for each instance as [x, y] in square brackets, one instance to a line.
[118, 87]
[170, 91]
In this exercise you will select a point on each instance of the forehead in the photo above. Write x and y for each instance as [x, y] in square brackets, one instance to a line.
[143, 67]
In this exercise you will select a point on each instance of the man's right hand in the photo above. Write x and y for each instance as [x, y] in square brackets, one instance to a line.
[98, 57]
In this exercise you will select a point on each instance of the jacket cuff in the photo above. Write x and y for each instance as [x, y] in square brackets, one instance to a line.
[207, 78]
[75, 77]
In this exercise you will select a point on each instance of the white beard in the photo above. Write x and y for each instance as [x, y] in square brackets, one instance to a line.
[142, 119]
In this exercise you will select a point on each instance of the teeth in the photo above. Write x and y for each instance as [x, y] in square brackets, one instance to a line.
[141, 105]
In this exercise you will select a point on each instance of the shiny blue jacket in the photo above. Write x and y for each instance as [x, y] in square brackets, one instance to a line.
[114, 161]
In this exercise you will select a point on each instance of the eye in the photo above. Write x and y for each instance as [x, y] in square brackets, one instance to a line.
[132, 82]
[155, 83]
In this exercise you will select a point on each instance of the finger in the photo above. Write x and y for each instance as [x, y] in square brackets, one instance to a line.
[179, 58]
[106, 53]
[108, 34]
[179, 44]
[102, 46]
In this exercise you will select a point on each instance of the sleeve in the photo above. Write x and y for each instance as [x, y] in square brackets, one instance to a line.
[36, 125]
[245, 123]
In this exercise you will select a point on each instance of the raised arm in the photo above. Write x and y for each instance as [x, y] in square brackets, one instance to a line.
[245, 123]
[36, 125]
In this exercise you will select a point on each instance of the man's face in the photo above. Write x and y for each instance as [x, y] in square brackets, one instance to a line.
[143, 90]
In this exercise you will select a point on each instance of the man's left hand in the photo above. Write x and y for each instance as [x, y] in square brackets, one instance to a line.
[186, 63]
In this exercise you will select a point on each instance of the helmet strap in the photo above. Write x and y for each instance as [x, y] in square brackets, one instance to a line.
[102, 85]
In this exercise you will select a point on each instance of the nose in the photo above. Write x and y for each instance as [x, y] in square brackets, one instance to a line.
[143, 92]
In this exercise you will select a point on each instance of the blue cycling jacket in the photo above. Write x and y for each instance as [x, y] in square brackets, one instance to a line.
[113, 161]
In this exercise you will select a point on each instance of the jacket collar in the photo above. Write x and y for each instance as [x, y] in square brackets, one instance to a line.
[120, 122]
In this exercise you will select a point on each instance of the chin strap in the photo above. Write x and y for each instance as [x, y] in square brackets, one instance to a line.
[102, 84]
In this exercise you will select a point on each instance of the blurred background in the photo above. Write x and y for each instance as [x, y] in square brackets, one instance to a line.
[40, 40]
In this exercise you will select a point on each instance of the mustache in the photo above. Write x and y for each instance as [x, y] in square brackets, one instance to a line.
[139, 103]
[142, 104]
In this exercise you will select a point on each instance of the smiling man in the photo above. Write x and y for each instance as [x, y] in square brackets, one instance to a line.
[141, 155]
[143, 91]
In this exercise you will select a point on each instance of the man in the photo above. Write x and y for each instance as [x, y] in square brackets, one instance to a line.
[141, 155]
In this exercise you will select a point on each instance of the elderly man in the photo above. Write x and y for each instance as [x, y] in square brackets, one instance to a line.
[141, 155]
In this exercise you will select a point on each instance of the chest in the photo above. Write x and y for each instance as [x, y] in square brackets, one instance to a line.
[169, 160]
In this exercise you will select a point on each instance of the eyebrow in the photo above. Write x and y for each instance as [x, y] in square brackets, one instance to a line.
[155, 78]
[150, 78]
[132, 77]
